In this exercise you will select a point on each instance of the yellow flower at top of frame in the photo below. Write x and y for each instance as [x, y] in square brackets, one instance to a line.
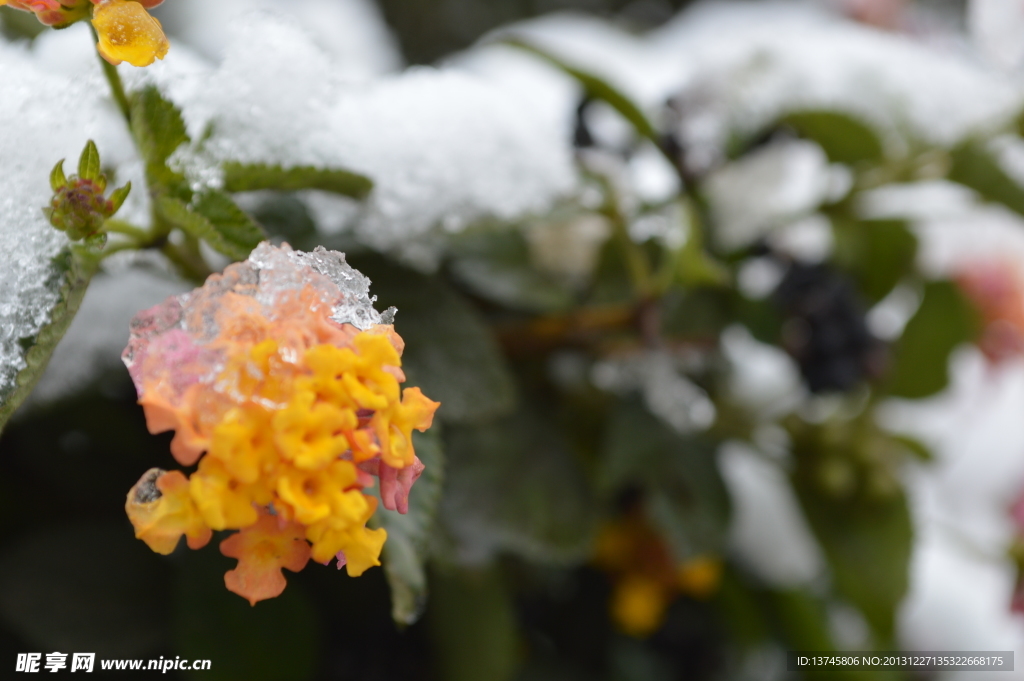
[127, 32]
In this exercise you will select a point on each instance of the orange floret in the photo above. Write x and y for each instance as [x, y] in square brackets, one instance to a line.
[263, 550]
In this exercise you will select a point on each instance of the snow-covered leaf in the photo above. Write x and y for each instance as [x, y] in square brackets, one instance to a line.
[41, 283]
[597, 88]
[443, 148]
[70, 279]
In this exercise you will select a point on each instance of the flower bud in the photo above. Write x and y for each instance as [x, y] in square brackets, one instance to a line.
[79, 207]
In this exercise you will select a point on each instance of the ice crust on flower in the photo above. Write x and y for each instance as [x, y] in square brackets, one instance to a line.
[270, 277]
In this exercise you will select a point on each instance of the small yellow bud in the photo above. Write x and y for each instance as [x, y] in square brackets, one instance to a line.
[128, 33]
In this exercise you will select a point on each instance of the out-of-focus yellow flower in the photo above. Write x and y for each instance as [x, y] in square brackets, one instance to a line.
[646, 578]
[161, 510]
[127, 32]
[263, 550]
[700, 577]
[638, 605]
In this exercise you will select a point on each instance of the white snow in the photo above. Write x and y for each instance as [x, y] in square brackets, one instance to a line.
[99, 333]
[353, 32]
[35, 133]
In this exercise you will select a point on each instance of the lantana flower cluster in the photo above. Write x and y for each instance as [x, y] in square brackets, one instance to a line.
[281, 384]
[127, 32]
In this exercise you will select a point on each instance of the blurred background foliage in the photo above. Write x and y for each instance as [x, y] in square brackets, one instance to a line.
[573, 523]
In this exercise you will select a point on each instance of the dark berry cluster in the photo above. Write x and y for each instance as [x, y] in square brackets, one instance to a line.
[825, 329]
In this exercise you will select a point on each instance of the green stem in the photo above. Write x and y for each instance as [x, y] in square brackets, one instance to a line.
[188, 267]
[122, 227]
[118, 247]
[636, 260]
[114, 79]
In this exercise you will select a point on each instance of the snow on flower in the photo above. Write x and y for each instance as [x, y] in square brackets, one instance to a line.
[282, 382]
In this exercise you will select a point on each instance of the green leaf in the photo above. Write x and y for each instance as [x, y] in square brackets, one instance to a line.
[449, 351]
[803, 621]
[974, 166]
[118, 196]
[57, 177]
[71, 272]
[944, 320]
[89, 162]
[232, 223]
[877, 253]
[274, 640]
[406, 550]
[867, 543]
[233, 234]
[684, 492]
[914, 447]
[157, 125]
[513, 485]
[473, 625]
[85, 587]
[844, 138]
[496, 265]
[596, 88]
[239, 177]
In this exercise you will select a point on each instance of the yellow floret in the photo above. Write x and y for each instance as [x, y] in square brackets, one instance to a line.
[224, 502]
[127, 32]
[161, 510]
[244, 443]
[310, 433]
[315, 496]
